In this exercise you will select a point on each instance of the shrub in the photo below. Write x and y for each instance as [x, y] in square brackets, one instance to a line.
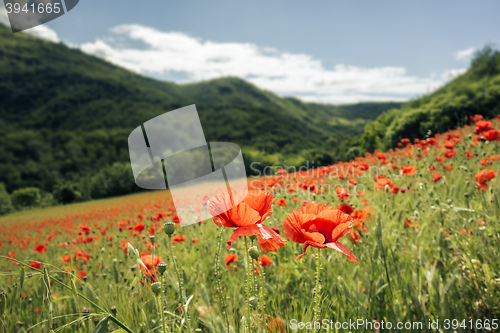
[27, 197]
[5, 202]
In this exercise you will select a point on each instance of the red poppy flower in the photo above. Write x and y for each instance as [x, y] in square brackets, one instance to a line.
[195, 240]
[342, 193]
[485, 161]
[345, 208]
[382, 182]
[354, 236]
[140, 227]
[81, 275]
[450, 153]
[66, 258]
[265, 260]
[476, 118]
[437, 177]
[491, 135]
[246, 217]
[282, 171]
[409, 170]
[150, 262]
[178, 239]
[230, 258]
[319, 226]
[484, 176]
[40, 248]
[276, 325]
[482, 126]
[281, 202]
[410, 223]
[36, 264]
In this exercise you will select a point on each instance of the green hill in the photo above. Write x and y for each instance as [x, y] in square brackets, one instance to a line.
[65, 117]
[477, 91]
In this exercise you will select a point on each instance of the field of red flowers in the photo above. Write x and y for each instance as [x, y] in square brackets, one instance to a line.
[406, 236]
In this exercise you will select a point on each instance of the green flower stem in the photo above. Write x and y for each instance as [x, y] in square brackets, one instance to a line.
[111, 317]
[248, 279]
[162, 300]
[222, 298]
[180, 284]
[316, 289]
[262, 302]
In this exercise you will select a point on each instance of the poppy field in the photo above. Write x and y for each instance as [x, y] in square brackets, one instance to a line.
[407, 236]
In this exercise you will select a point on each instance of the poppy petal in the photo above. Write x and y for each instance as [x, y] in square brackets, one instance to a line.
[335, 246]
[342, 248]
[239, 216]
[268, 239]
[292, 226]
[261, 201]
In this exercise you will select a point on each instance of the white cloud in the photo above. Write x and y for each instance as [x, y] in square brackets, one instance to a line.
[41, 31]
[300, 75]
[464, 54]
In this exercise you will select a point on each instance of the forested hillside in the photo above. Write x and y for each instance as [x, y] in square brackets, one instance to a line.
[65, 117]
[475, 92]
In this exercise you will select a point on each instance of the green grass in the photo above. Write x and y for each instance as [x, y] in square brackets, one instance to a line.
[402, 274]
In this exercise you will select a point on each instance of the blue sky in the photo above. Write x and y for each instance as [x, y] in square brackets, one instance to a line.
[326, 51]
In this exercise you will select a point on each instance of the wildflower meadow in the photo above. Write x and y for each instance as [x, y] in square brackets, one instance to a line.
[406, 240]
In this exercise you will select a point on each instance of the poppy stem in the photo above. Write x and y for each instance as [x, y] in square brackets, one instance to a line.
[262, 295]
[180, 283]
[162, 303]
[222, 298]
[248, 280]
[316, 289]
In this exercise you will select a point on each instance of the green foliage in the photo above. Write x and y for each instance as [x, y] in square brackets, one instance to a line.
[5, 202]
[65, 117]
[475, 92]
[67, 193]
[26, 197]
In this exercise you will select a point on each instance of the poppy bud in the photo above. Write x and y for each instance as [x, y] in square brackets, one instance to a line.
[152, 239]
[169, 228]
[254, 302]
[113, 310]
[254, 253]
[156, 288]
[162, 267]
